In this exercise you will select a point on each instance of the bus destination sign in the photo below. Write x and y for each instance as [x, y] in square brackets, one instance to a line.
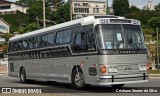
[106, 21]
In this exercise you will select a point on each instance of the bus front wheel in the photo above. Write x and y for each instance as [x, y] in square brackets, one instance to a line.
[23, 76]
[78, 79]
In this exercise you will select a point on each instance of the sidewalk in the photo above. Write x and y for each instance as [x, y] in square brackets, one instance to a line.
[154, 76]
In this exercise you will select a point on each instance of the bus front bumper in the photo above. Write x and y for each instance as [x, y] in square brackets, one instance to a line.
[122, 79]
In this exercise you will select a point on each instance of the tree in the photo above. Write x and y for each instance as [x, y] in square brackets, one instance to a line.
[157, 7]
[28, 3]
[133, 9]
[28, 28]
[55, 3]
[120, 7]
[6, 36]
[154, 22]
[36, 10]
[62, 14]
[148, 32]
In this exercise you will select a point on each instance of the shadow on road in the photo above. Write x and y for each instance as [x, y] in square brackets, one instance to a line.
[57, 87]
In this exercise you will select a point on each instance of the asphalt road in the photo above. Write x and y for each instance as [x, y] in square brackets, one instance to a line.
[68, 90]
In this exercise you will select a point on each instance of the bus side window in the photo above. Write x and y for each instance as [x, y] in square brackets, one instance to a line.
[36, 42]
[11, 47]
[50, 39]
[31, 43]
[44, 40]
[59, 38]
[25, 44]
[20, 45]
[79, 42]
[67, 36]
[15, 46]
[90, 42]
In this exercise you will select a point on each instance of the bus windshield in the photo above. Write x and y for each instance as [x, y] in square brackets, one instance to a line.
[119, 36]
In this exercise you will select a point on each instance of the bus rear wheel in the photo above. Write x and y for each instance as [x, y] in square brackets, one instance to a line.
[23, 76]
[78, 79]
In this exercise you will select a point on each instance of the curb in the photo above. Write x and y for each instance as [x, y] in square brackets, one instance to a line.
[3, 74]
[154, 77]
[154, 74]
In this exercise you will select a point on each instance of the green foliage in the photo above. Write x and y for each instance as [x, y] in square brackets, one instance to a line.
[36, 10]
[6, 36]
[56, 3]
[28, 3]
[120, 7]
[133, 9]
[62, 14]
[149, 33]
[157, 7]
[16, 20]
[4, 45]
[154, 22]
[28, 28]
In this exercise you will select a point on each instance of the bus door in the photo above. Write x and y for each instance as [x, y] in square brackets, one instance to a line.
[79, 48]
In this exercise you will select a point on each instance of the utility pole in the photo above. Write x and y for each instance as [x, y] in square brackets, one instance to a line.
[71, 13]
[107, 9]
[157, 51]
[44, 15]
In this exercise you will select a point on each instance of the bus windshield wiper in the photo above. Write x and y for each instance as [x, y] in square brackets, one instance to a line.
[135, 46]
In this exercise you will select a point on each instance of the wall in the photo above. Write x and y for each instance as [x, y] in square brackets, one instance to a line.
[18, 7]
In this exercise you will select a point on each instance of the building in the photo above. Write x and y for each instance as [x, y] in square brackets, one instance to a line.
[149, 6]
[4, 28]
[7, 7]
[83, 8]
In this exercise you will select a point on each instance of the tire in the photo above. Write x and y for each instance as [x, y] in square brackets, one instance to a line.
[118, 85]
[78, 80]
[23, 76]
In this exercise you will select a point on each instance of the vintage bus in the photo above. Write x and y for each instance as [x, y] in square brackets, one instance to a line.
[94, 50]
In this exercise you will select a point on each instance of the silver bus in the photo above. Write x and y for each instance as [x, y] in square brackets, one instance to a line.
[94, 50]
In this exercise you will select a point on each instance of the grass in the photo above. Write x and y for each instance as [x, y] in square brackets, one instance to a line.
[16, 20]
[154, 72]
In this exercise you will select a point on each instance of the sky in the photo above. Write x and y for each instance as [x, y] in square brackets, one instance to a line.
[138, 3]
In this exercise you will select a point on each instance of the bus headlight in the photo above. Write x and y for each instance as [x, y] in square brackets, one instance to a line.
[142, 68]
[112, 69]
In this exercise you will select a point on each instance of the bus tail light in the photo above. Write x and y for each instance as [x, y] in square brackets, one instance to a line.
[103, 69]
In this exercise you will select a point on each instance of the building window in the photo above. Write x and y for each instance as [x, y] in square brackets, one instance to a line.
[85, 4]
[2, 27]
[81, 10]
[95, 10]
[76, 4]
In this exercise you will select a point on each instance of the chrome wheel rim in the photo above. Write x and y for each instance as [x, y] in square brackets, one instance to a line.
[22, 75]
[79, 79]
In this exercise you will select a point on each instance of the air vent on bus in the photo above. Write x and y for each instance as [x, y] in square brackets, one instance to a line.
[110, 16]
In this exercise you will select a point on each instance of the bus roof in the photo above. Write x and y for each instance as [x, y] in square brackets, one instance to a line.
[83, 21]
